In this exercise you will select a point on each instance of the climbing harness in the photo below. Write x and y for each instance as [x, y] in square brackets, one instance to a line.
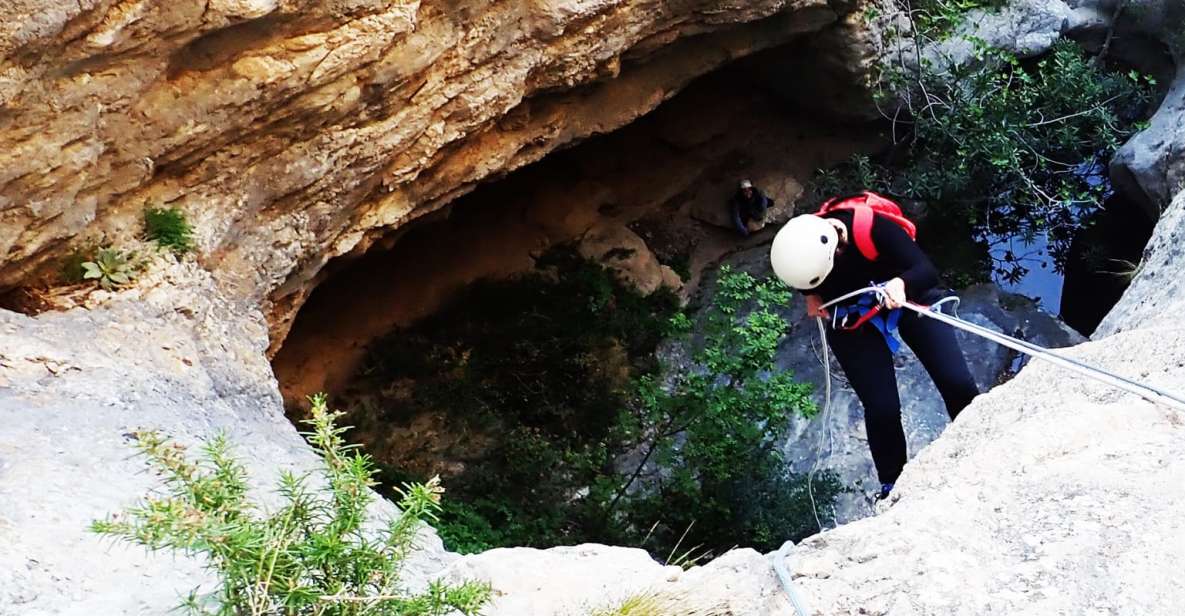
[1152, 394]
[868, 309]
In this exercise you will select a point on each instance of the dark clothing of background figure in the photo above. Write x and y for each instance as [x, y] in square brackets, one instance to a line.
[864, 355]
[746, 209]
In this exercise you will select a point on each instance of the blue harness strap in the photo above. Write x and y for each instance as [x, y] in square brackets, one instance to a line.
[867, 309]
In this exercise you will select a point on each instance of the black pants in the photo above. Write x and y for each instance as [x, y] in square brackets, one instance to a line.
[868, 365]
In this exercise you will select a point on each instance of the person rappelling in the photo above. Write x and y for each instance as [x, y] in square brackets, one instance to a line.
[852, 243]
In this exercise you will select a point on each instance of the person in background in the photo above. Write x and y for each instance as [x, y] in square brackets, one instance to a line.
[748, 207]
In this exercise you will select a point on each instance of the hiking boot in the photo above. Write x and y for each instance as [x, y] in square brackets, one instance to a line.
[886, 489]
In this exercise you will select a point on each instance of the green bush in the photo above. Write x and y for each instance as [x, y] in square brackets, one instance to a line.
[541, 364]
[653, 603]
[715, 429]
[169, 228]
[313, 555]
[1003, 147]
[557, 369]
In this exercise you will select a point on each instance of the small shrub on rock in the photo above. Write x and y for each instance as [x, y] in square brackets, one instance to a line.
[317, 554]
[111, 268]
[169, 228]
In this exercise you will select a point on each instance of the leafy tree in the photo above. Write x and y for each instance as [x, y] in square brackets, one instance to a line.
[539, 365]
[1001, 147]
[528, 362]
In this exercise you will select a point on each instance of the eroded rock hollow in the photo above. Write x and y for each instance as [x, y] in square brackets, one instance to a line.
[293, 132]
[636, 200]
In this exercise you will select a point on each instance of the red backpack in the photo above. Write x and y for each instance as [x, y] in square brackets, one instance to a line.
[864, 209]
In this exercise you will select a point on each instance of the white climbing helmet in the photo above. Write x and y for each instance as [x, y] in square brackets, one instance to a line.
[804, 251]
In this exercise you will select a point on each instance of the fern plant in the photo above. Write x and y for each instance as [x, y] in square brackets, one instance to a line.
[110, 268]
[169, 228]
[313, 555]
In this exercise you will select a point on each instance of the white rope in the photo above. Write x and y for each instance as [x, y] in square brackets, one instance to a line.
[826, 431]
[780, 567]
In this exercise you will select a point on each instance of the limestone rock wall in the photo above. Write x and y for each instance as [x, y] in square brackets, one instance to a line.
[665, 180]
[291, 131]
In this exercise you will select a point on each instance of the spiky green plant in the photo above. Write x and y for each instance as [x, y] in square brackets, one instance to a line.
[654, 603]
[313, 555]
[169, 228]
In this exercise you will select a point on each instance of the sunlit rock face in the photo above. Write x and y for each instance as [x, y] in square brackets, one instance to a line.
[292, 131]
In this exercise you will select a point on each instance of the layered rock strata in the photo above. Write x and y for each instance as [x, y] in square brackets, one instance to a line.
[293, 131]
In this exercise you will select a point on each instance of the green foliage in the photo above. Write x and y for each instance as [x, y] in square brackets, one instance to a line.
[543, 362]
[111, 268]
[939, 19]
[169, 229]
[559, 369]
[1004, 147]
[714, 429]
[314, 555]
[651, 603]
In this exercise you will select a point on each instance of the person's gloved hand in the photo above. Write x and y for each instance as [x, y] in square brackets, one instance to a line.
[894, 294]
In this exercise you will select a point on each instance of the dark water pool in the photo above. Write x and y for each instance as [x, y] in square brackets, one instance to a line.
[1098, 268]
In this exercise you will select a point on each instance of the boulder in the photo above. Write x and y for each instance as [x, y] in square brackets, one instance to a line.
[619, 249]
[1150, 167]
[838, 442]
[1026, 28]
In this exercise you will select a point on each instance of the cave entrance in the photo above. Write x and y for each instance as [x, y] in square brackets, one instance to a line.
[422, 307]
[649, 199]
